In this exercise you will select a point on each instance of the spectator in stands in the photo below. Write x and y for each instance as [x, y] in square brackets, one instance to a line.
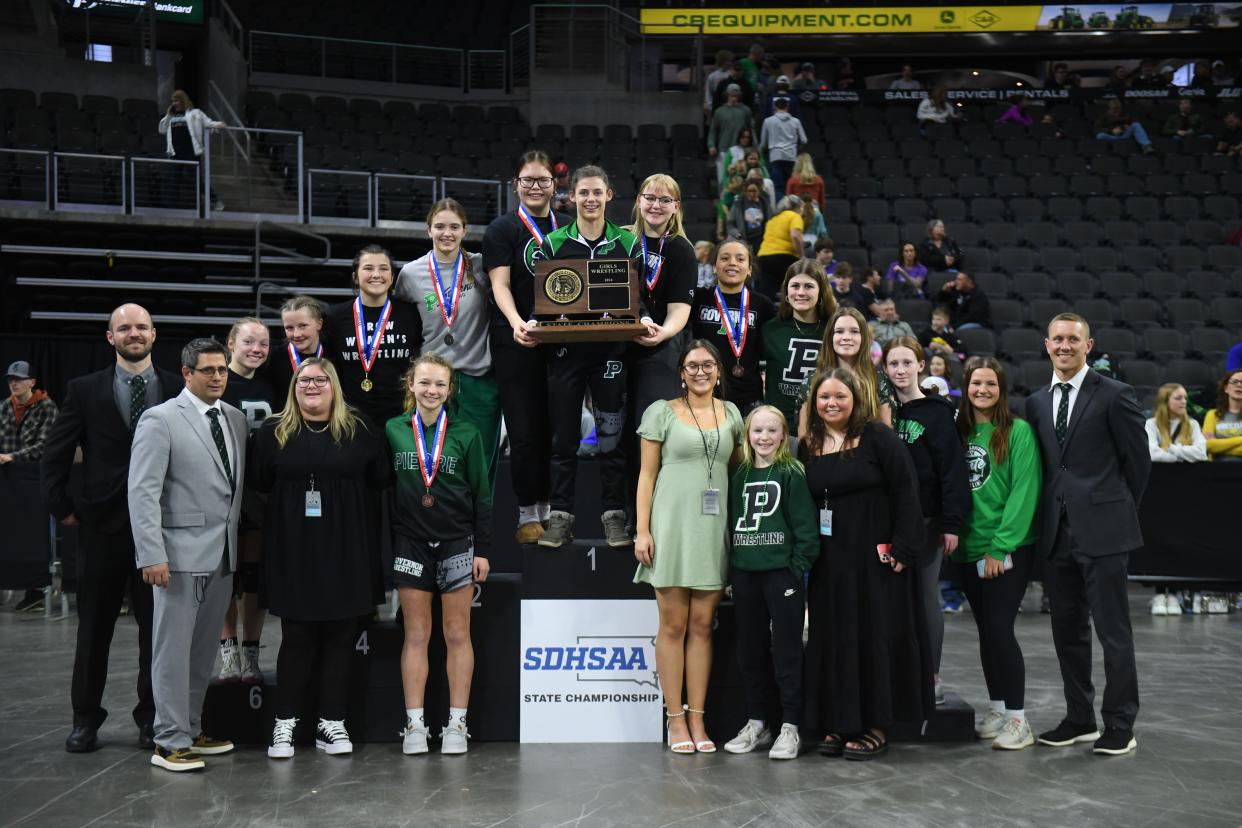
[805, 80]
[25, 421]
[906, 274]
[724, 58]
[871, 291]
[1184, 123]
[1230, 140]
[939, 339]
[938, 251]
[1016, 113]
[843, 288]
[968, 304]
[1172, 435]
[1223, 425]
[748, 215]
[1202, 75]
[705, 254]
[727, 123]
[782, 90]
[906, 80]
[729, 193]
[935, 107]
[755, 171]
[752, 66]
[321, 560]
[1061, 78]
[888, 325]
[184, 129]
[1221, 76]
[1119, 81]
[782, 244]
[561, 195]
[781, 136]
[1115, 125]
[845, 79]
[813, 227]
[825, 254]
[734, 161]
[745, 91]
[805, 183]
[1148, 77]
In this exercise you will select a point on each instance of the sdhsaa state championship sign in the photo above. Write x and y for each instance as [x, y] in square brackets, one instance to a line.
[589, 673]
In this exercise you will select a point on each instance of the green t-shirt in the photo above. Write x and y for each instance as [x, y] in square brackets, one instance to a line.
[773, 522]
[1005, 495]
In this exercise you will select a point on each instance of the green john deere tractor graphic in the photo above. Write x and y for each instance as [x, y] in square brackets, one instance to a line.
[1098, 20]
[1069, 18]
[1129, 18]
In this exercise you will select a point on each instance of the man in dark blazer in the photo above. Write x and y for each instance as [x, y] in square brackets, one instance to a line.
[1096, 465]
[99, 414]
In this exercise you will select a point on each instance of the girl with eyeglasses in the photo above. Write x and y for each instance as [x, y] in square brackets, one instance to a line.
[1223, 425]
[324, 468]
[511, 245]
[688, 445]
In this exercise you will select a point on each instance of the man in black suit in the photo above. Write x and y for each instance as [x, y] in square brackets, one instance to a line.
[99, 414]
[1096, 465]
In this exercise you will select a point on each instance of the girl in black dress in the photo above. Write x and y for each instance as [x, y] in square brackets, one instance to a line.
[866, 664]
[325, 467]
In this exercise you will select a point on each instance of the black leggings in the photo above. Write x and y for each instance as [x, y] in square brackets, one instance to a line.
[571, 371]
[994, 604]
[522, 379]
[768, 608]
[305, 646]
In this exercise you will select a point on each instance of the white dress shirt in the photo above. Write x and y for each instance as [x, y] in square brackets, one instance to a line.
[1075, 381]
[202, 408]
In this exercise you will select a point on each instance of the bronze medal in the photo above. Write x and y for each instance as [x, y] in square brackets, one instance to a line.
[448, 339]
[428, 501]
[738, 370]
[367, 385]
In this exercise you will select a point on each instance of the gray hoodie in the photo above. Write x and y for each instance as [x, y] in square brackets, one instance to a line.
[780, 136]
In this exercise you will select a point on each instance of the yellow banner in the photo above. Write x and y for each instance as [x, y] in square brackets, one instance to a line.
[810, 21]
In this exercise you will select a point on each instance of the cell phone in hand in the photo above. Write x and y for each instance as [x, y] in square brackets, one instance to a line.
[979, 564]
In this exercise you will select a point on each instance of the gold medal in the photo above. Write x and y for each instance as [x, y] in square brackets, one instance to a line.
[367, 385]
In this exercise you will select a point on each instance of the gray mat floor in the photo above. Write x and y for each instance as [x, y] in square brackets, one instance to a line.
[1186, 772]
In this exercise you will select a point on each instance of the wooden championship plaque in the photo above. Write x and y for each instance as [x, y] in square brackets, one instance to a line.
[586, 300]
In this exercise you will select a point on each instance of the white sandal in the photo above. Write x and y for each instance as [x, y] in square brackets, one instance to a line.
[685, 747]
[707, 745]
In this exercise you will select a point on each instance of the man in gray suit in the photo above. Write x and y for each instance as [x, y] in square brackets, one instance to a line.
[1096, 464]
[185, 478]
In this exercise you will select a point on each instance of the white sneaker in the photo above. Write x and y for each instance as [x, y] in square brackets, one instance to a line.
[939, 691]
[1172, 604]
[332, 738]
[250, 672]
[989, 727]
[748, 738]
[1015, 735]
[230, 663]
[453, 737]
[413, 738]
[1158, 606]
[786, 744]
[282, 739]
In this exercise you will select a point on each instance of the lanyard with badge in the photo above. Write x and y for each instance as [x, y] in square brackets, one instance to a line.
[314, 497]
[711, 495]
[825, 517]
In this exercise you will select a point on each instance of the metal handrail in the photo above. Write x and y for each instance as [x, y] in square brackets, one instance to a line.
[236, 31]
[54, 196]
[133, 180]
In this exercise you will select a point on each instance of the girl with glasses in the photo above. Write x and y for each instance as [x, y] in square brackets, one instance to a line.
[1223, 425]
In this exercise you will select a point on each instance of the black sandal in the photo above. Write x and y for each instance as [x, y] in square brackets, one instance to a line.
[873, 744]
[832, 746]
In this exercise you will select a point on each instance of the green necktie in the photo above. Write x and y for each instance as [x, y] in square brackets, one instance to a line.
[137, 400]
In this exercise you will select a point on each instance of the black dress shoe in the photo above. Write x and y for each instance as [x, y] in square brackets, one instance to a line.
[82, 739]
[1115, 742]
[146, 736]
[1069, 733]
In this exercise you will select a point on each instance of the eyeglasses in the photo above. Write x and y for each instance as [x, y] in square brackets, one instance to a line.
[527, 183]
[318, 382]
[210, 372]
[699, 367]
[663, 201]
[1234, 382]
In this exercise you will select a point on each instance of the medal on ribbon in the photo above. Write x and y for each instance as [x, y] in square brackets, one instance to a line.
[295, 357]
[368, 347]
[447, 299]
[531, 227]
[429, 462]
[651, 275]
[735, 333]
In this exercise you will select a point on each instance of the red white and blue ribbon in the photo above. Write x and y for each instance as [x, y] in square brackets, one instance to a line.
[429, 462]
[447, 298]
[295, 357]
[368, 346]
[736, 334]
[531, 227]
[651, 277]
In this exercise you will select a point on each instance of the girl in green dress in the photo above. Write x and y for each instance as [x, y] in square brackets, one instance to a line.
[688, 444]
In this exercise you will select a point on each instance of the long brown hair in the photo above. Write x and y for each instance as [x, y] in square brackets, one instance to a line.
[827, 305]
[1222, 398]
[1002, 418]
[817, 429]
[695, 344]
[425, 358]
[828, 359]
[1164, 418]
[454, 207]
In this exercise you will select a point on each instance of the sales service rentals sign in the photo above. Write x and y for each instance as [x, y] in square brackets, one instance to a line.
[589, 672]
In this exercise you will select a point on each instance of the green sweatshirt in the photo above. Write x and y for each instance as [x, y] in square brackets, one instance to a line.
[1005, 496]
[462, 494]
[773, 519]
[790, 348]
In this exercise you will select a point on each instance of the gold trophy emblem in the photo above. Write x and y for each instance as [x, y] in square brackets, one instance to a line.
[563, 286]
